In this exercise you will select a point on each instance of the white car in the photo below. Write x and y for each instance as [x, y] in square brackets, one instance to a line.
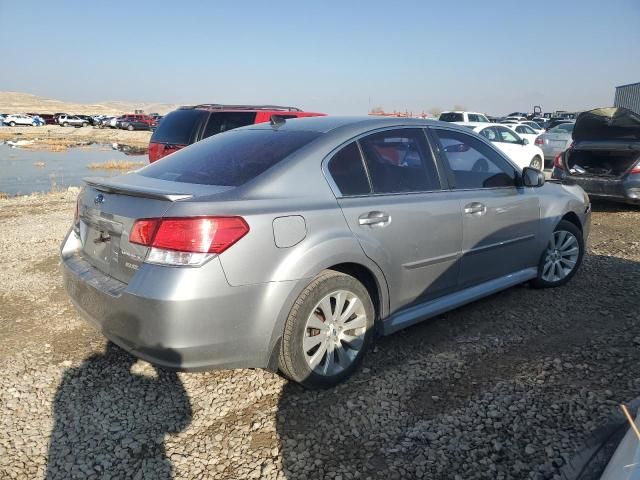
[20, 119]
[459, 116]
[519, 150]
[524, 131]
[72, 120]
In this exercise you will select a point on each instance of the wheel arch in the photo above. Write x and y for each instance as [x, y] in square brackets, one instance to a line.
[573, 218]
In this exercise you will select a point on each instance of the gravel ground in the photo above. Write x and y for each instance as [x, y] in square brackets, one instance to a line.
[54, 136]
[506, 388]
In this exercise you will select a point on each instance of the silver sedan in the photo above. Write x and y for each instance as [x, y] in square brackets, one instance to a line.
[555, 141]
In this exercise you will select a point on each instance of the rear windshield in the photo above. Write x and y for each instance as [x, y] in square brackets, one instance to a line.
[451, 117]
[230, 159]
[178, 127]
[562, 128]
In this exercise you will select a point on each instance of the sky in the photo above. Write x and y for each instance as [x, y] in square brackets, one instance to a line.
[338, 57]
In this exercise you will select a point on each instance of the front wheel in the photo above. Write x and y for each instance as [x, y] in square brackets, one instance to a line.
[130, 128]
[536, 163]
[562, 257]
[85, 124]
[12, 124]
[65, 124]
[327, 332]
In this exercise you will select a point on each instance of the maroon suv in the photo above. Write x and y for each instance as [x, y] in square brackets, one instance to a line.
[191, 124]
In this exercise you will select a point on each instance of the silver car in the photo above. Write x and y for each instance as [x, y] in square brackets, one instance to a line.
[290, 245]
[555, 141]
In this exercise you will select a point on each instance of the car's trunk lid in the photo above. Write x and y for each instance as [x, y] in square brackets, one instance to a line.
[606, 144]
[108, 208]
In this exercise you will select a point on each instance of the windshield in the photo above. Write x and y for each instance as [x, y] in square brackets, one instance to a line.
[451, 117]
[563, 128]
[230, 158]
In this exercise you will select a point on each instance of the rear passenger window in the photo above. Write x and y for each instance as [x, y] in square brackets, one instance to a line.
[222, 121]
[473, 163]
[347, 170]
[400, 161]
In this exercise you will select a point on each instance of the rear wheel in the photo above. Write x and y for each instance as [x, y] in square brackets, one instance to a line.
[562, 257]
[327, 332]
[130, 128]
[12, 124]
[65, 124]
[536, 162]
[85, 124]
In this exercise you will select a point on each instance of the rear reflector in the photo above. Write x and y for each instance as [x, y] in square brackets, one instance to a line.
[191, 235]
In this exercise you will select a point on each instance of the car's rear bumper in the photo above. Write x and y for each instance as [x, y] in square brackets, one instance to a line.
[617, 189]
[181, 318]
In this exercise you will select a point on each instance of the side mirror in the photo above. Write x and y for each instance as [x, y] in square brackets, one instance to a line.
[532, 177]
[525, 141]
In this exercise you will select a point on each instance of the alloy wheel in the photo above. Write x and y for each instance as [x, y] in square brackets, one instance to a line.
[561, 256]
[536, 163]
[334, 333]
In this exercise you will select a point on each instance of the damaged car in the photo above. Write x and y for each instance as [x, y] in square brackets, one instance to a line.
[604, 158]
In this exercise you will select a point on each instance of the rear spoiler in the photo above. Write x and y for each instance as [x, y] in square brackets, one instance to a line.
[105, 185]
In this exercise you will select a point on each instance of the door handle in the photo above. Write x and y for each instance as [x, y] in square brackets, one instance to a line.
[374, 218]
[475, 208]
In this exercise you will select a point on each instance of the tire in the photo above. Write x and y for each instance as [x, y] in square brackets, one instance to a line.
[536, 162]
[550, 275]
[130, 128]
[12, 124]
[85, 124]
[296, 363]
[65, 124]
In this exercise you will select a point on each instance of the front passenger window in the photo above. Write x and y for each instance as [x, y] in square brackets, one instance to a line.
[473, 163]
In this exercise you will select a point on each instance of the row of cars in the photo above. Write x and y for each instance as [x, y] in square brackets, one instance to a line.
[130, 121]
[549, 142]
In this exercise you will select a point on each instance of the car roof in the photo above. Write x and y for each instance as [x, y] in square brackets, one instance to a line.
[329, 123]
[477, 124]
[463, 111]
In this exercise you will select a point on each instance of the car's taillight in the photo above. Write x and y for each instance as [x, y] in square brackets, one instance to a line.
[636, 169]
[557, 161]
[76, 215]
[539, 141]
[187, 241]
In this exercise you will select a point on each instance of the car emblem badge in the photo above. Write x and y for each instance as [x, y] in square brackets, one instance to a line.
[99, 199]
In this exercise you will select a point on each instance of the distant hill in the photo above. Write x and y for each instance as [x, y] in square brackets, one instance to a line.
[18, 102]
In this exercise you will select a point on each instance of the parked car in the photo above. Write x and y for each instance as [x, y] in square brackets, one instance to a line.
[604, 158]
[136, 119]
[72, 121]
[519, 150]
[288, 246]
[524, 131]
[555, 141]
[459, 116]
[133, 124]
[188, 125]
[18, 119]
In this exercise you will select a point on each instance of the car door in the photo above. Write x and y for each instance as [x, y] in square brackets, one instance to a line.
[389, 189]
[511, 144]
[500, 219]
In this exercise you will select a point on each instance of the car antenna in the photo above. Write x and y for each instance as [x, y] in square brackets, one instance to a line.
[277, 120]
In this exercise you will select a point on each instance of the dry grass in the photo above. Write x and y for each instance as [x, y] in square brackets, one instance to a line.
[116, 165]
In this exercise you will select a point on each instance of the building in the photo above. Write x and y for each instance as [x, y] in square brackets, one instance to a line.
[628, 96]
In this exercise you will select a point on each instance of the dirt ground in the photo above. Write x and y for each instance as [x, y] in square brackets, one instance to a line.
[52, 136]
[507, 387]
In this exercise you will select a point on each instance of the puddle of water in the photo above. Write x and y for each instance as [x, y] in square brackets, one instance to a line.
[24, 171]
